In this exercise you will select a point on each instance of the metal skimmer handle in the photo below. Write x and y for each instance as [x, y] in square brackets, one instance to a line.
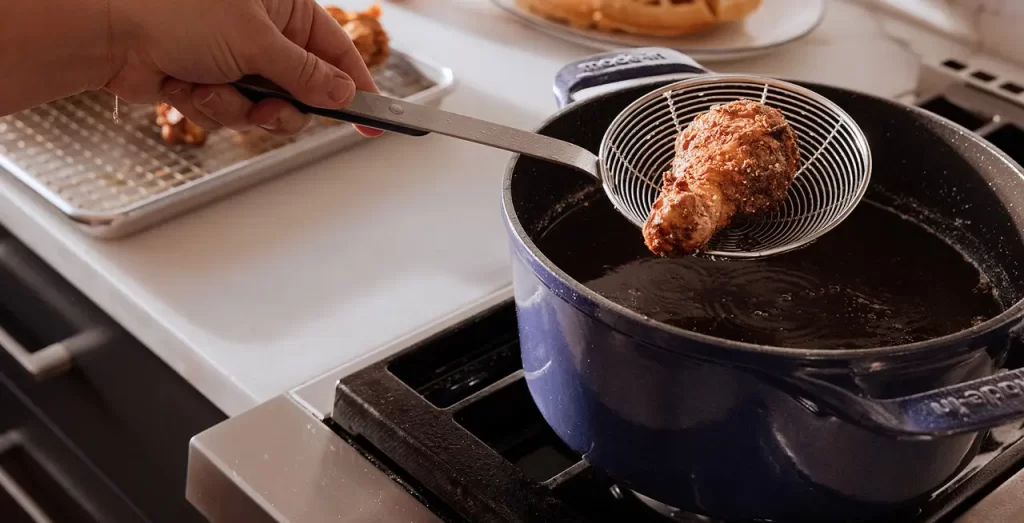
[389, 114]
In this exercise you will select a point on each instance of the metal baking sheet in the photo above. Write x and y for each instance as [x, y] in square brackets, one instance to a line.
[115, 179]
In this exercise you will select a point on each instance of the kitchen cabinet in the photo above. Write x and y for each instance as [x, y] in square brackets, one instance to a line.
[93, 426]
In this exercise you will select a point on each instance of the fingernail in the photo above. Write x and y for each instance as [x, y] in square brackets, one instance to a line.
[210, 102]
[271, 125]
[175, 90]
[342, 89]
[369, 132]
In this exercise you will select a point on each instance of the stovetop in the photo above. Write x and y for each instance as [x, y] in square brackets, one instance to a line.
[453, 419]
[446, 429]
[981, 100]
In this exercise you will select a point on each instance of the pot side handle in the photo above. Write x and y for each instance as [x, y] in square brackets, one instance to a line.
[972, 406]
[619, 66]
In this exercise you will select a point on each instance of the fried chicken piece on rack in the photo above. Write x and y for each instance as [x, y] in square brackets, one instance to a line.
[736, 158]
[176, 129]
[366, 32]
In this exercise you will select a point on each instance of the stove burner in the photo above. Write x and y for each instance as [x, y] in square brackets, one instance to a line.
[453, 421]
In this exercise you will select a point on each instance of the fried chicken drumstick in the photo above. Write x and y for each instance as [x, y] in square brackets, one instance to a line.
[737, 158]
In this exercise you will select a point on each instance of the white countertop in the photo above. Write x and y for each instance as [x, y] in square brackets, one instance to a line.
[357, 255]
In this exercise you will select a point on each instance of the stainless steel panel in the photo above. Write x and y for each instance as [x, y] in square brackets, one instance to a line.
[277, 463]
[1003, 505]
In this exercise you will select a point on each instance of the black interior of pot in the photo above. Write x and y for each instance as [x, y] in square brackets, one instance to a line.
[935, 248]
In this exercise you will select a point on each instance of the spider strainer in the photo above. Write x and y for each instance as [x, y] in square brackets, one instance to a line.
[835, 161]
[638, 148]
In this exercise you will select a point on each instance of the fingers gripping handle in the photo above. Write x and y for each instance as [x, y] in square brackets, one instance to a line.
[257, 89]
[620, 66]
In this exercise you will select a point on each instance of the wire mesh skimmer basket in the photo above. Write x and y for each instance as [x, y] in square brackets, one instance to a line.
[835, 160]
[639, 147]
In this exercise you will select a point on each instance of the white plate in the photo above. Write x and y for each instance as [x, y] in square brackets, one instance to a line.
[775, 23]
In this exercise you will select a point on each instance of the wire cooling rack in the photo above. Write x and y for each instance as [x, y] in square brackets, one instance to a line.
[118, 178]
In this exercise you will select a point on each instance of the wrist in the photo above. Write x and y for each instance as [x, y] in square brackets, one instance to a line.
[118, 36]
[53, 49]
[96, 51]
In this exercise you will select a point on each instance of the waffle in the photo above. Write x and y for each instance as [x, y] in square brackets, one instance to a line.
[643, 17]
[733, 10]
[576, 13]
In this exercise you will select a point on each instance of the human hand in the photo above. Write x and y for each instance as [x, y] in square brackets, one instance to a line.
[186, 53]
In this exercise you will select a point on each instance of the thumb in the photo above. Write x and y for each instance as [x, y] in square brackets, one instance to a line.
[308, 78]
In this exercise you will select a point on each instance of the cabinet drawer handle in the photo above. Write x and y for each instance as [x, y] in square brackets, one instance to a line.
[53, 359]
[10, 485]
[55, 489]
[22, 498]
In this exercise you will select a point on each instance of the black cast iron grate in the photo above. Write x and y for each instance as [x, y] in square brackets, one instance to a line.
[452, 418]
